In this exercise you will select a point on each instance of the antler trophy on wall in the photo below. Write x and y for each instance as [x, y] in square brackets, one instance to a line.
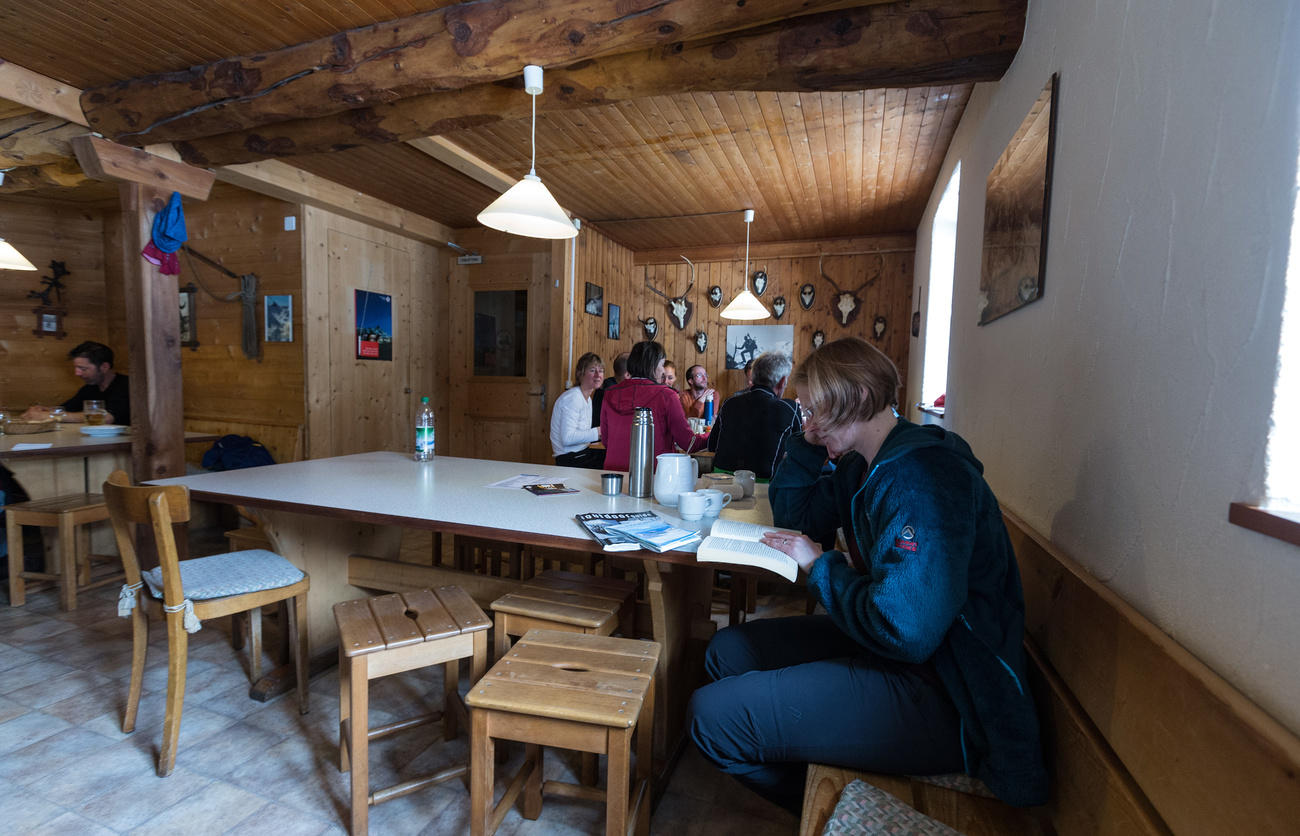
[651, 327]
[847, 303]
[679, 309]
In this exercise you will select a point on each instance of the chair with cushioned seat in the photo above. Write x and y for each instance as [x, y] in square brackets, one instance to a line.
[186, 593]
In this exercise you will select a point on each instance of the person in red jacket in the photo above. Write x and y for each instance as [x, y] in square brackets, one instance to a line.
[645, 368]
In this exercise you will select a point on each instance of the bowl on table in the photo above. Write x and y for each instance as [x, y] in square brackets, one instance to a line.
[23, 426]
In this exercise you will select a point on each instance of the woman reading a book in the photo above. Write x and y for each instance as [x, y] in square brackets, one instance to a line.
[917, 668]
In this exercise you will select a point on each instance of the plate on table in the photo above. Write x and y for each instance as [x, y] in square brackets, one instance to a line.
[105, 430]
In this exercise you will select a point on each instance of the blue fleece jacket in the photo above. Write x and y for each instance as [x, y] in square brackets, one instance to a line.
[939, 583]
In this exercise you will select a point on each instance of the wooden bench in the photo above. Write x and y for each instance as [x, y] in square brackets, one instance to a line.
[1140, 736]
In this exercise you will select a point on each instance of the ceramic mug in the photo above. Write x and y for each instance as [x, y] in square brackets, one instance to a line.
[717, 500]
[691, 505]
[745, 478]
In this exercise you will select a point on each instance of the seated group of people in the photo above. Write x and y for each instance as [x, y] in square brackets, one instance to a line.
[749, 432]
[917, 666]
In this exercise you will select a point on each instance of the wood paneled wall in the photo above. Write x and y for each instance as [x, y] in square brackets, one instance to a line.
[623, 277]
[36, 369]
[245, 232]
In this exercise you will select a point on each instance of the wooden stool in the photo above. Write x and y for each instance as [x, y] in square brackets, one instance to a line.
[566, 601]
[391, 634]
[571, 691]
[68, 514]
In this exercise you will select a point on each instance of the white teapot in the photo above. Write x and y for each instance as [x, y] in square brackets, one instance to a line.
[674, 473]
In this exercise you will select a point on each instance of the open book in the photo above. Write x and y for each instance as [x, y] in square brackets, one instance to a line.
[732, 541]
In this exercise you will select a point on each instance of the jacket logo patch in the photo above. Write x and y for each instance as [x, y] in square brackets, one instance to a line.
[907, 540]
[909, 533]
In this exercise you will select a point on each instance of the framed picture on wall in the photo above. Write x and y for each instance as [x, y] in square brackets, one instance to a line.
[595, 302]
[614, 316]
[189, 310]
[277, 313]
[1017, 196]
[745, 342]
[374, 325]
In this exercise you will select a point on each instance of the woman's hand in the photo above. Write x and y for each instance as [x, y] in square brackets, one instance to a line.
[804, 551]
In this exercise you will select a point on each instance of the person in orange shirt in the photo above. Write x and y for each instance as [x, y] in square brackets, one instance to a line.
[697, 392]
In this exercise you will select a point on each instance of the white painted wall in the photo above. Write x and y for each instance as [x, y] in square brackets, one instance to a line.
[1122, 413]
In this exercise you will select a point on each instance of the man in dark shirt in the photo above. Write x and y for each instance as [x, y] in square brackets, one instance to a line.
[93, 363]
[753, 425]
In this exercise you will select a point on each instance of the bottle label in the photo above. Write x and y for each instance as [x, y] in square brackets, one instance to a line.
[424, 440]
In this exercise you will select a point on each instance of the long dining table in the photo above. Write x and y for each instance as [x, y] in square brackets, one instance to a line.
[340, 520]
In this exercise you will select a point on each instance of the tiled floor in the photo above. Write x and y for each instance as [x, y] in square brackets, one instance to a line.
[251, 767]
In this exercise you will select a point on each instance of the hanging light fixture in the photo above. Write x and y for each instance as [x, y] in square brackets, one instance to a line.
[746, 304]
[11, 259]
[527, 208]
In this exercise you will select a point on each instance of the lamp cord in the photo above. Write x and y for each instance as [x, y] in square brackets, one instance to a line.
[532, 139]
[747, 255]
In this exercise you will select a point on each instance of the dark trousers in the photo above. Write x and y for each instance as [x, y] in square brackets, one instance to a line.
[787, 692]
[588, 458]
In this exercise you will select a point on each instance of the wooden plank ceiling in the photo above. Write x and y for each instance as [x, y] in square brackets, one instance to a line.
[820, 160]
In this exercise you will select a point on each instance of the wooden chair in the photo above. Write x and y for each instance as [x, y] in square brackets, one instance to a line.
[70, 515]
[186, 593]
[390, 634]
[573, 691]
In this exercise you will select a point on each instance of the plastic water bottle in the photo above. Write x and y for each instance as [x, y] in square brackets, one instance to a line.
[424, 432]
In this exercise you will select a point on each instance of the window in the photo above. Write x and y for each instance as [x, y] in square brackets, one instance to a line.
[938, 315]
[500, 332]
[1282, 482]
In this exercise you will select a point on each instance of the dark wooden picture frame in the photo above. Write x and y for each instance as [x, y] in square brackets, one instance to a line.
[189, 298]
[1017, 197]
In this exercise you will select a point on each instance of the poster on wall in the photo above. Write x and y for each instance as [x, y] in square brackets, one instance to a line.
[278, 313]
[615, 315]
[745, 342]
[374, 325]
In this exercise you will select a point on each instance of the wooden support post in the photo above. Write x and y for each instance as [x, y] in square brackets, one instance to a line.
[153, 329]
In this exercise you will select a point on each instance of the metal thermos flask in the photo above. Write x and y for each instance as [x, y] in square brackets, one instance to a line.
[641, 454]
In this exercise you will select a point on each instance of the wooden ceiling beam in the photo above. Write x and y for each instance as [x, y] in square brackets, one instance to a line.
[36, 139]
[444, 49]
[918, 43]
[104, 160]
[284, 182]
[40, 92]
[449, 153]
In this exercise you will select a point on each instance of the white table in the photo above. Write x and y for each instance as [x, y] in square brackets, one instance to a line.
[340, 520]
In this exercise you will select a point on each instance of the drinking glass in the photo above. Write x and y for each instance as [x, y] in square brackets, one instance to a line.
[57, 413]
[94, 412]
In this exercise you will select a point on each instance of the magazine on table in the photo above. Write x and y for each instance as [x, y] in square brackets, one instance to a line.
[597, 526]
[656, 534]
[549, 488]
[732, 541]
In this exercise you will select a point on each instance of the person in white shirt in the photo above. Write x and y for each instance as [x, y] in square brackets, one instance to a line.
[571, 429]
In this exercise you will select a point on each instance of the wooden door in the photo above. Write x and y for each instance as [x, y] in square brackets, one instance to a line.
[499, 400]
[355, 403]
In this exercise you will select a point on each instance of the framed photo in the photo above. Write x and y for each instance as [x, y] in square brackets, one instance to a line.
[745, 342]
[374, 325]
[595, 304]
[1017, 196]
[189, 311]
[614, 316]
[277, 312]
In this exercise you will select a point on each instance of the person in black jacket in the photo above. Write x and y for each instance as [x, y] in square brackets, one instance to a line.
[753, 425]
[93, 363]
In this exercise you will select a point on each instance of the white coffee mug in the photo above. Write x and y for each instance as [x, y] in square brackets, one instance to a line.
[717, 500]
[691, 505]
[745, 478]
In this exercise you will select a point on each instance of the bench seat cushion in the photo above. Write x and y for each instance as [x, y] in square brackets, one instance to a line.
[864, 809]
[235, 573]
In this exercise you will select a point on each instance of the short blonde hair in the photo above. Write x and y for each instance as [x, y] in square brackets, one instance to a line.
[588, 360]
[845, 381]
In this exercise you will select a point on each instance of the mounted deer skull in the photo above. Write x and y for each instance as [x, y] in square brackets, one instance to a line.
[807, 294]
[778, 307]
[651, 327]
[679, 309]
[847, 303]
[760, 282]
[701, 342]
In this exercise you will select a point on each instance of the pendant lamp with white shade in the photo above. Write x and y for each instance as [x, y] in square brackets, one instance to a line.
[11, 259]
[746, 304]
[527, 208]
